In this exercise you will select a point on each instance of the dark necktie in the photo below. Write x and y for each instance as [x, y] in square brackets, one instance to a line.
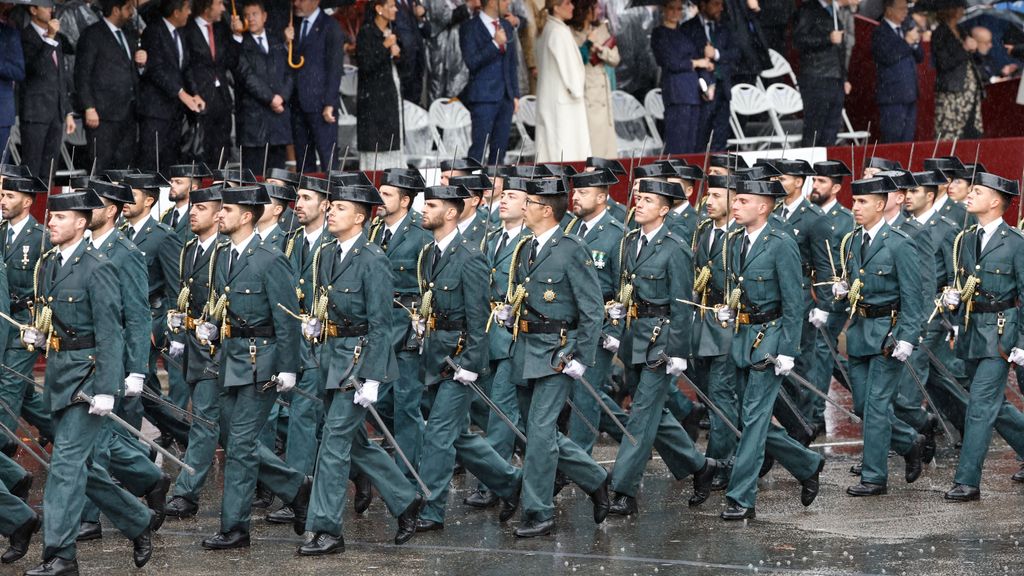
[643, 244]
[743, 252]
[124, 43]
[305, 30]
[199, 254]
[174, 218]
[534, 248]
[386, 239]
[53, 273]
[978, 247]
[864, 243]
[436, 258]
[501, 244]
[259, 40]
[304, 255]
[716, 241]
[10, 239]
[177, 47]
[234, 260]
[130, 233]
[785, 214]
[583, 230]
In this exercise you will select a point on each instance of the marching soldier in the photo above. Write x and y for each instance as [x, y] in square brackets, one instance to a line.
[682, 218]
[615, 208]
[473, 222]
[287, 178]
[881, 271]
[767, 311]
[18, 522]
[353, 289]
[458, 167]
[184, 178]
[79, 286]
[876, 164]
[269, 227]
[725, 164]
[949, 167]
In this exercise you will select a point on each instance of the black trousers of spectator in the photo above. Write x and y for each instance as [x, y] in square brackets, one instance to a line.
[823, 110]
[112, 144]
[40, 146]
[216, 125]
[252, 158]
[492, 122]
[169, 133]
[313, 138]
[714, 115]
[898, 122]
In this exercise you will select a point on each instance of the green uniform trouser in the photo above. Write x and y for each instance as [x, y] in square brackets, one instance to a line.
[876, 378]
[597, 375]
[652, 425]
[244, 411]
[344, 442]
[722, 391]
[540, 401]
[202, 440]
[759, 390]
[987, 408]
[124, 459]
[949, 397]
[10, 471]
[304, 418]
[13, 512]
[15, 390]
[161, 416]
[73, 477]
[823, 366]
[447, 435]
[497, 384]
[407, 415]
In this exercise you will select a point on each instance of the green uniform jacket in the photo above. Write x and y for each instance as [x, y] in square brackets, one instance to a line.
[288, 222]
[682, 224]
[561, 286]
[183, 229]
[833, 226]
[134, 284]
[803, 222]
[276, 237]
[474, 234]
[922, 238]
[359, 291]
[891, 275]
[955, 212]
[85, 295]
[195, 275]
[458, 296]
[713, 339]
[604, 243]
[500, 338]
[259, 280]
[161, 247]
[302, 269]
[20, 262]
[403, 250]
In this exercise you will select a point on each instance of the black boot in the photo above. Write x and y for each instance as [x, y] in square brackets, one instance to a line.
[227, 540]
[156, 499]
[20, 539]
[142, 547]
[55, 566]
[181, 507]
[913, 461]
[702, 481]
[364, 493]
[300, 505]
[407, 521]
[322, 544]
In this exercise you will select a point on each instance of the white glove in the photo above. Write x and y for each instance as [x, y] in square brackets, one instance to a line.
[617, 311]
[955, 335]
[175, 350]
[902, 350]
[951, 298]
[419, 326]
[285, 381]
[675, 366]
[133, 384]
[574, 369]
[175, 321]
[818, 317]
[502, 313]
[725, 314]
[840, 289]
[312, 328]
[783, 365]
[207, 332]
[1017, 356]
[463, 376]
[367, 394]
[611, 344]
[33, 337]
[101, 405]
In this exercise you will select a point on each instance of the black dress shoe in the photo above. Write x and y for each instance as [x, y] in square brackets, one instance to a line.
[142, 547]
[928, 445]
[602, 503]
[867, 489]
[1018, 476]
[322, 544]
[509, 507]
[364, 493]
[481, 499]
[692, 421]
[283, 515]
[10, 450]
[532, 529]
[181, 507]
[623, 505]
[912, 459]
[736, 512]
[227, 540]
[963, 493]
[407, 521]
[702, 481]
[300, 505]
[809, 487]
[561, 481]
[156, 499]
[424, 525]
[264, 497]
[20, 539]
[819, 430]
[766, 465]
[89, 531]
[705, 423]
[22, 487]
[721, 482]
[855, 470]
[55, 566]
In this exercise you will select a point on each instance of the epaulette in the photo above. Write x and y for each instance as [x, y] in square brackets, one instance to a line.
[703, 223]
[1016, 231]
[735, 232]
[470, 247]
[373, 248]
[269, 247]
[575, 239]
[94, 253]
[899, 232]
[166, 212]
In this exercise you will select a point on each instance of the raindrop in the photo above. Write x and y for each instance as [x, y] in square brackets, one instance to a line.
[933, 548]
[760, 562]
[566, 563]
[900, 554]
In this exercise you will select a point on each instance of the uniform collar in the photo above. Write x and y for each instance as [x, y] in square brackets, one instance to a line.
[826, 208]
[68, 252]
[443, 243]
[241, 246]
[98, 241]
[924, 218]
[592, 223]
[17, 228]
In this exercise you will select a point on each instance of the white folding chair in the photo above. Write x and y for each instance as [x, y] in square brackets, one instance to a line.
[451, 120]
[748, 101]
[349, 87]
[858, 137]
[632, 127]
[14, 142]
[655, 106]
[780, 68]
[420, 137]
[786, 104]
[525, 116]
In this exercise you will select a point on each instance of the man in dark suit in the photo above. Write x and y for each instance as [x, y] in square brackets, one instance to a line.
[897, 51]
[264, 88]
[211, 55]
[162, 94]
[319, 43]
[44, 102]
[706, 30]
[818, 37]
[12, 69]
[107, 69]
[412, 28]
[489, 49]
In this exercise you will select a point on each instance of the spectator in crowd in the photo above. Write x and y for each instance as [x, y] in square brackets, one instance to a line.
[446, 70]
[263, 85]
[600, 57]
[896, 48]
[775, 18]
[211, 57]
[706, 32]
[412, 28]
[379, 101]
[562, 132]
[107, 70]
[681, 63]
[163, 97]
[44, 101]
[818, 36]
[958, 86]
[12, 69]
[991, 66]
[847, 16]
[744, 20]
[318, 45]
[489, 47]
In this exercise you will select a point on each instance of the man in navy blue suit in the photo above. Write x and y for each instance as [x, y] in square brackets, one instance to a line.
[706, 30]
[319, 42]
[12, 69]
[412, 29]
[897, 50]
[492, 94]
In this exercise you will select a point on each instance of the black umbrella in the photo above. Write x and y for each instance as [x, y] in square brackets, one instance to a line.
[40, 3]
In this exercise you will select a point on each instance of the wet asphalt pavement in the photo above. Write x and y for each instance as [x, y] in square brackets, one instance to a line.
[912, 530]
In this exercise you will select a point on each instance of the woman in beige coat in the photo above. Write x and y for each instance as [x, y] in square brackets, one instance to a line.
[600, 57]
[561, 112]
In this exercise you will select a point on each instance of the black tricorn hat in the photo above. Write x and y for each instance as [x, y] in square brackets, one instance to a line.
[667, 189]
[244, 177]
[187, 171]
[997, 183]
[24, 185]
[874, 185]
[599, 178]
[409, 174]
[880, 163]
[948, 165]
[968, 172]
[245, 195]
[654, 171]
[722, 181]
[789, 167]
[689, 172]
[211, 194]
[84, 200]
[15, 171]
[446, 193]
[461, 164]
[613, 165]
[285, 176]
[475, 183]
[759, 172]
[315, 184]
[835, 169]
[144, 181]
[560, 169]
[730, 161]
[770, 188]
[118, 174]
[548, 187]
[360, 194]
[121, 193]
[339, 178]
[517, 183]
[282, 193]
[932, 178]
[903, 179]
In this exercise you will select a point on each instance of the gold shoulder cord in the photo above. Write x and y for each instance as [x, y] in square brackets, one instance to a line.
[290, 247]
[969, 286]
[571, 223]
[43, 317]
[732, 296]
[375, 227]
[426, 295]
[515, 296]
[166, 212]
[854, 295]
[215, 307]
[703, 274]
[320, 296]
[625, 296]
[184, 290]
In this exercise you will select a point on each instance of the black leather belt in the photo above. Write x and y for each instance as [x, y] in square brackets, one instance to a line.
[406, 300]
[545, 326]
[19, 304]
[608, 296]
[879, 311]
[645, 310]
[68, 344]
[808, 270]
[250, 332]
[978, 307]
[758, 317]
[346, 331]
[447, 324]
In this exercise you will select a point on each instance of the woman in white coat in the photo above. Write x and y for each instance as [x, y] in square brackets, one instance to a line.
[562, 132]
